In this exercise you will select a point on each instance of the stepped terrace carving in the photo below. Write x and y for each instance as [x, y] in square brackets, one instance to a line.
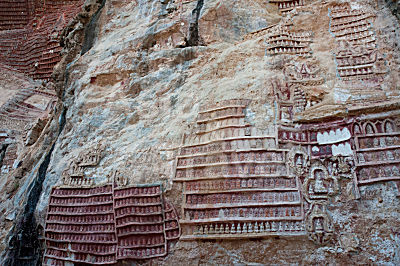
[29, 32]
[281, 41]
[236, 182]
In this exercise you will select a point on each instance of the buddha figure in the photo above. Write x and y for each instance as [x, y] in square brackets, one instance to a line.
[369, 129]
[318, 225]
[319, 182]
[389, 127]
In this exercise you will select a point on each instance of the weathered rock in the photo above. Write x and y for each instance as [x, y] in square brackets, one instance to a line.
[312, 138]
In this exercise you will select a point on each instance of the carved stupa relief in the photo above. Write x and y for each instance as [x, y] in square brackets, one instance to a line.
[360, 66]
[351, 25]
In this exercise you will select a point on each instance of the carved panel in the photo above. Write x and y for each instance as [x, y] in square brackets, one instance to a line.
[140, 222]
[319, 184]
[35, 48]
[357, 57]
[319, 224]
[105, 224]
[281, 41]
[352, 25]
[377, 151]
[80, 226]
[236, 182]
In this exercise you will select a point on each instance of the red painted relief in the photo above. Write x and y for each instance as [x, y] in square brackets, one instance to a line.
[105, 224]
[377, 151]
[29, 24]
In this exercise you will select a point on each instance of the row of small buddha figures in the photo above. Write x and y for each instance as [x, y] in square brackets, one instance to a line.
[352, 30]
[351, 17]
[379, 156]
[345, 11]
[288, 50]
[106, 199]
[243, 212]
[138, 201]
[355, 71]
[367, 41]
[90, 228]
[234, 122]
[223, 104]
[78, 181]
[237, 183]
[355, 24]
[137, 191]
[227, 133]
[148, 231]
[130, 210]
[252, 156]
[82, 192]
[171, 225]
[91, 248]
[141, 241]
[379, 142]
[154, 228]
[357, 60]
[286, 43]
[78, 257]
[141, 253]
[91, 237]
[218, 114]
[250, 227]
[290, 4]
[290, 135]
[381, 171]
[283, 34]
[81, 219]
[254, 197]
[172, 233]
[351, 27]
[361, 77]
[363, 37]
[234, 170]
[243, 137]
[139, 219]
[94, 209]
[230, 145]
[170, 215]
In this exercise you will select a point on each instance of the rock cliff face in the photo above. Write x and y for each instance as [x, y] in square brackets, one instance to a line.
[207, 132]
